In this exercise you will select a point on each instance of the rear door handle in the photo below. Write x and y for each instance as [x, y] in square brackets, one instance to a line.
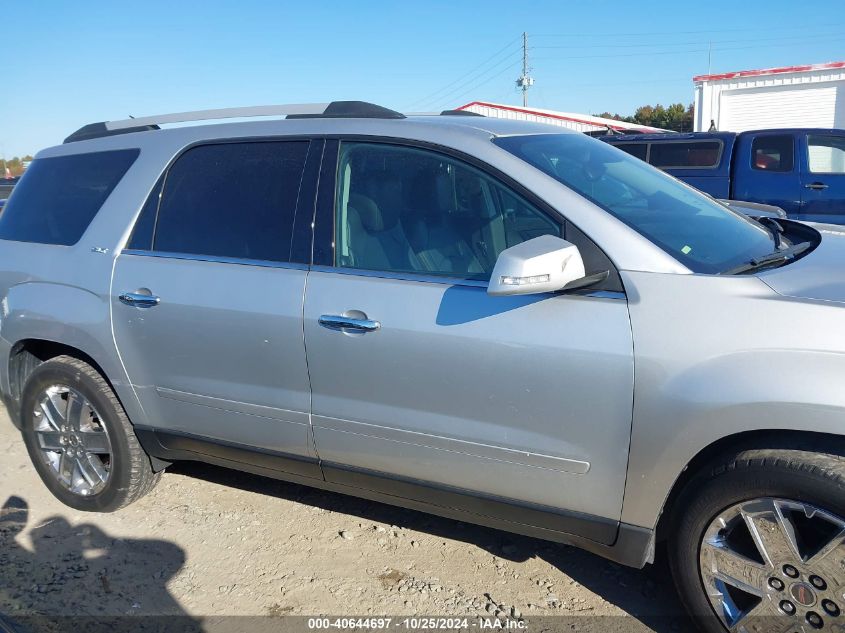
[139, 300]
[816, 185]
[340, 322]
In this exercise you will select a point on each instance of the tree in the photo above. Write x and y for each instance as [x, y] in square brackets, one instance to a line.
[675, 117]
[15, 165]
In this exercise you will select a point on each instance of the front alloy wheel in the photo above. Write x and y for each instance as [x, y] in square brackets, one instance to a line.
[758, 539]
[777, 558]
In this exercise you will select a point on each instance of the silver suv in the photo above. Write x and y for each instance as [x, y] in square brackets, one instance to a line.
[490, 320]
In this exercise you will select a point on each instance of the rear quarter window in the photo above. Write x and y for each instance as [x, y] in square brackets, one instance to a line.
[58, 197]
[686, 155]
[639, 150]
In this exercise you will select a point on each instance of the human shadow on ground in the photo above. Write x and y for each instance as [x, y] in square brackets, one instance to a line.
[78, 578]
[646, 595]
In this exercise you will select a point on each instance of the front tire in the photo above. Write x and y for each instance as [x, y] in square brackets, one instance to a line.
[759, 543]
[80, 440]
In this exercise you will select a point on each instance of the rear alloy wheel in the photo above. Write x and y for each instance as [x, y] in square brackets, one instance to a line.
[73, 440]
[778, 559]
[79, 438]
[758, 541]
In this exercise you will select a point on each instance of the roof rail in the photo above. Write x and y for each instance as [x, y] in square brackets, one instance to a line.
[335, 109]
[98, 130]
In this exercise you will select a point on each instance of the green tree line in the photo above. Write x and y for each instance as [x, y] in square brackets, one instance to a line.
[15, 165]
[674, 117]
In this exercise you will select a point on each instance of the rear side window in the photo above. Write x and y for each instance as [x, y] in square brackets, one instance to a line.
[232, 200]
[58, 197]
[639, 150]
[773, 153]
[826, 154]
[680, 155]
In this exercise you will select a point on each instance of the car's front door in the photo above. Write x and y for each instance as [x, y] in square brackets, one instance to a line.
[823, 178]
[420, 377]
[207, 300]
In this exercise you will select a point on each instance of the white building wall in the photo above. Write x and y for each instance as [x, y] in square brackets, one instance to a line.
[771, 99]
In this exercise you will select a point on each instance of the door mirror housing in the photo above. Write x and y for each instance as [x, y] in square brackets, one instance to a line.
[543, 264]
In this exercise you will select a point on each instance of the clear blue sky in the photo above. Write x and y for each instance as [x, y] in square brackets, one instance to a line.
[70, 63]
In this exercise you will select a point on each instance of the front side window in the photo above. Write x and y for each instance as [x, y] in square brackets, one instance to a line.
[57, 198]
[404, 210]
[773, 153]
[697, 231]
[685, 155]
[233, 200]
[826, 154]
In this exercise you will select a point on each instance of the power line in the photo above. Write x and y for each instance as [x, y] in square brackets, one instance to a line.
[757, 29]
[803, 38]
[462, 78]
[482, 83]
[485, 76]
[671, 52]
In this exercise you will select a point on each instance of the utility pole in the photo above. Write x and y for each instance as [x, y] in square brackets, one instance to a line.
[524, 82]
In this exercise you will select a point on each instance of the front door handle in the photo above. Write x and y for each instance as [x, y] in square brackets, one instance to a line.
[816, 185]
[340, 322]
[139, 300]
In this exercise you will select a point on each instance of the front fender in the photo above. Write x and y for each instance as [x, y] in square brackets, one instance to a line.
[716, 357]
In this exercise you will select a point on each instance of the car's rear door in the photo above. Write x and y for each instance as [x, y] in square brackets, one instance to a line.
[766, 170]
[426, 387]
[207, 300]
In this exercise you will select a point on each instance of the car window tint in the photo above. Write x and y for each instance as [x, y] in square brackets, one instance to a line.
[403, 209]
[142, 234]
[232, 200]
[685, 155]
[640, 150]
[773, 153]
[57, 198]
[826, 154]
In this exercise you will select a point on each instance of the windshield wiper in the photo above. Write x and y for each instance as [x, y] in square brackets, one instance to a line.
[774, 228]
[772, 258]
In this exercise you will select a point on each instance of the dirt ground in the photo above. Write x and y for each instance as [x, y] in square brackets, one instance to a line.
[210, 543]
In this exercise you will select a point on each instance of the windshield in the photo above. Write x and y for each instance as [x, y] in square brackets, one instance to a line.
[704, 235]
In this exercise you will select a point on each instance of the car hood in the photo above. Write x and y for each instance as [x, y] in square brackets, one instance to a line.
[819, 275]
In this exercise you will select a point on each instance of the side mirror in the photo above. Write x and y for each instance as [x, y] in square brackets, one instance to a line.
[543, 264]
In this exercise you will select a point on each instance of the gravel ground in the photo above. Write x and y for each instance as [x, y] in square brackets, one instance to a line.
[210, 543]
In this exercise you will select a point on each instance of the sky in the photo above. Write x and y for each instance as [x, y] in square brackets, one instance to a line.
[69, 63]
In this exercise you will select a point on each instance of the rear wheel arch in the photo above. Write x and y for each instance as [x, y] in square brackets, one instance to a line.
[27, 354]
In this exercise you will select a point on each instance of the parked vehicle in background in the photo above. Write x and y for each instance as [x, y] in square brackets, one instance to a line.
[6, 186]
[497, 321]
[800, 170]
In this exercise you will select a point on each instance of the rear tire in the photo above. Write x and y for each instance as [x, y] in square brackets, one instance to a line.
[745, 519]
[80, 440]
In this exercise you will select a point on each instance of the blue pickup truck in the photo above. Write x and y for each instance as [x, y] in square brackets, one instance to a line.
[800, 170]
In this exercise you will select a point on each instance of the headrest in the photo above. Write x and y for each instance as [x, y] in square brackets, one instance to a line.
[430, 194]
[385, 190]
[368, 211]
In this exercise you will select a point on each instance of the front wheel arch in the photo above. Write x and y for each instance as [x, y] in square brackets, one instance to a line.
[728, 447]
[786, 492]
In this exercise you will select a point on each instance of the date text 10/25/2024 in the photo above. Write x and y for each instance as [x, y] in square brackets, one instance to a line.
[417, 623]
